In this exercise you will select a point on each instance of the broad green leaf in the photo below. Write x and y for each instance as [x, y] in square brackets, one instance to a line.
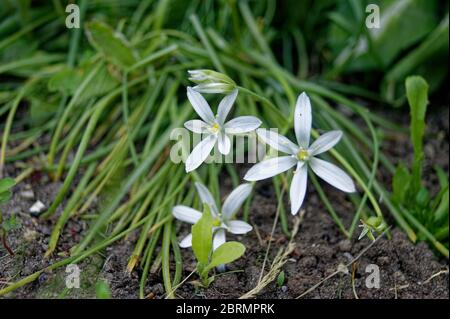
[429, 59]
[41, 108]
[110, 43]
[68, 80]
[102, 83]
[400, 183]
[6, 184]
[417, 94]
[225, 254]
[280, 278]
[102, 290]
[402, 25]
[202, 233]
[65, 81]
[5, 196]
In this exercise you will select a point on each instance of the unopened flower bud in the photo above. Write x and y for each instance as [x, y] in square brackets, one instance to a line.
[209, 81]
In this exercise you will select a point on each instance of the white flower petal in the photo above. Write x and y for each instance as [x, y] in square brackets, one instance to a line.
[200, 105]
[200, 153]
[238, 227]
[224, 144]
[325, 142]
[196, 126]
[186, 241]
[302, 120]
[207, 198]
[298, 188]
[219, 238]
[277, 141]
[186, 214]
[269, 168]
[242, 124]
[332, 174]
[235, 199]
[225, 106]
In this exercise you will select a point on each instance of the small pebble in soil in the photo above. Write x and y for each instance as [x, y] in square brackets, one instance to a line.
[158, 289]
[30, 235]
[37, 207]
[343, 269]
[348, 256]
[383, 260]
[399, 276]
[345, 245]
[42, 278]
[27, 194]
[308, 262]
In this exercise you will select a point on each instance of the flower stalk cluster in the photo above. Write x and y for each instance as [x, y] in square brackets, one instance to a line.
[303, 155]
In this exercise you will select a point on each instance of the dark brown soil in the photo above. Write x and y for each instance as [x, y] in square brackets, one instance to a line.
[407, 270]
[320, 248]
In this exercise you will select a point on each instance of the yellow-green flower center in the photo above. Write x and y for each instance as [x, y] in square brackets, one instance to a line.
[216, 222]
[214, 128]
[302, 155]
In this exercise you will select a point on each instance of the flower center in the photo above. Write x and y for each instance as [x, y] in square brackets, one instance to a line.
[215, 128]
[302, 155]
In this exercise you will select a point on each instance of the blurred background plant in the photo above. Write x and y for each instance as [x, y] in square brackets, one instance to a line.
[94, 107]
[412, 39]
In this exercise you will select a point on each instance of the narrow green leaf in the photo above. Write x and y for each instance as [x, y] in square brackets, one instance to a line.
[202, 233]
[442, 233]
[442, 177]
[423, 197]
[225, 254]
[441, 212]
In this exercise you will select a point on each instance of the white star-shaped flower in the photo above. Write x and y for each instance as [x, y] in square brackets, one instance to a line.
[302, 155]
[214, 128]
[223, 219]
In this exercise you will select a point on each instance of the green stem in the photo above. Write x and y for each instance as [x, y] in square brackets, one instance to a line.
[166, 259]
[9, 120]
[62, 121]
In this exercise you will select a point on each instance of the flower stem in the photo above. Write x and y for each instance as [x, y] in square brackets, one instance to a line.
[257, 96]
